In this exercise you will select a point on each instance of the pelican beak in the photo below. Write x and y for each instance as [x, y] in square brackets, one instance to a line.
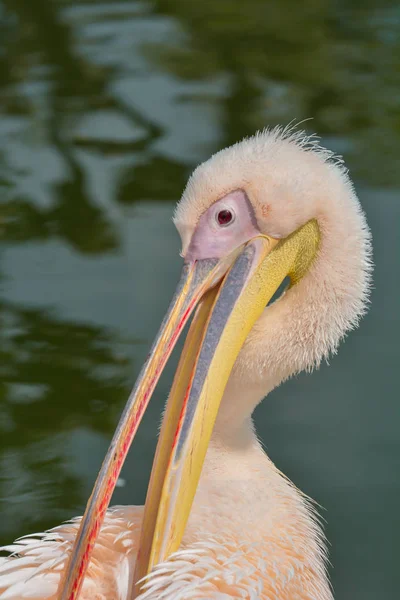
[222, 322]
[230, 295]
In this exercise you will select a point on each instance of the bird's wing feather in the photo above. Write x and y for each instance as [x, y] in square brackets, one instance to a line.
[33, 567]
[218, 568]
[223, 568]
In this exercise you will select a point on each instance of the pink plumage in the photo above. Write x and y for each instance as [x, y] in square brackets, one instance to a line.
[251, 533]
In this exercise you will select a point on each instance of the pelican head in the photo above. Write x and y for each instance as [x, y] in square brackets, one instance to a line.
[272, 206]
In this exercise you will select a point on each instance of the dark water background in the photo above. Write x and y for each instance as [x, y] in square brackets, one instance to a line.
[105, 107]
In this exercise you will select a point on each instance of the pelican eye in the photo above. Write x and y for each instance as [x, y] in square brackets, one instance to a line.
[225, 217]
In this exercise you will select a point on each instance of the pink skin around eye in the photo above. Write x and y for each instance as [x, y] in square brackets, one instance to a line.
[211, 239]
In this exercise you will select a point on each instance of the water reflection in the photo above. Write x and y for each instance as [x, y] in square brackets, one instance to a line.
[56, 375]
[105, 107]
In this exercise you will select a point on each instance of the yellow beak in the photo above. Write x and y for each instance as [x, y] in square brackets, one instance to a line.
[227, 310]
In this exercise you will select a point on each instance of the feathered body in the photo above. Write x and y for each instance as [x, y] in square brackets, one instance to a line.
[275, 550]
[251, 533]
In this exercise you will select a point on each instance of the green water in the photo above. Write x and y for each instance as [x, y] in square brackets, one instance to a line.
[105, 107]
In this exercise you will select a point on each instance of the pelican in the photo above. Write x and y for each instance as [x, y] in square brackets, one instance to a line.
[220, 521]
